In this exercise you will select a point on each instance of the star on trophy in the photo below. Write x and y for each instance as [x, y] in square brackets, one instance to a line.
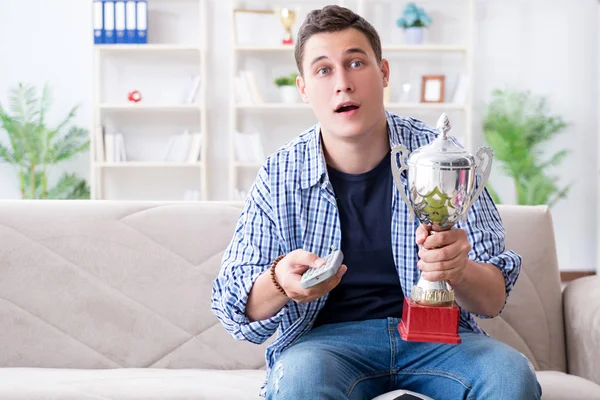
[441, 183]
[287, 17]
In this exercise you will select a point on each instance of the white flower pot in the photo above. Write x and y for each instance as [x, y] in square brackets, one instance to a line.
[414, 35]
[289, 94]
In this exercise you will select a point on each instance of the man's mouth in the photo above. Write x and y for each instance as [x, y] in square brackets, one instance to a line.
[346, 107]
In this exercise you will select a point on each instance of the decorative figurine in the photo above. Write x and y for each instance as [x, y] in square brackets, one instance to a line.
[135, 96]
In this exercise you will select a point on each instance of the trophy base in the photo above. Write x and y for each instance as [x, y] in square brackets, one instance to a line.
[287, 41]
[429, 324]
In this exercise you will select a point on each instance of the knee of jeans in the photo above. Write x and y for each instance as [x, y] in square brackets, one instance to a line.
[295, 372]
[508, 364]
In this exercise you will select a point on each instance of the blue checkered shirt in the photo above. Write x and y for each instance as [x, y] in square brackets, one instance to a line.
[292, 205]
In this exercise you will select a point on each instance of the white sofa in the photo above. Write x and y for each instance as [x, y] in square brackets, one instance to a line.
[111, 300]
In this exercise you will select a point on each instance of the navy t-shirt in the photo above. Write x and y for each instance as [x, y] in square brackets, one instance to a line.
[370, 288]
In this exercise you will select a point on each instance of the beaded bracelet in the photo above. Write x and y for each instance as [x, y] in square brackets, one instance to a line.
[273, 275]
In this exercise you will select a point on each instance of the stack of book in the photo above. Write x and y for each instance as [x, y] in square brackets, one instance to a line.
[248, 148]
[182, 148]
[120, 21]
[246, 88]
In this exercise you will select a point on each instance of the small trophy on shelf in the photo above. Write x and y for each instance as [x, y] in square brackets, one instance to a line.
[442, 186]
[287, 17]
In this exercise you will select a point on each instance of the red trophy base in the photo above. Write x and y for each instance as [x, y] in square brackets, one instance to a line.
[287, 41]
[429, 324]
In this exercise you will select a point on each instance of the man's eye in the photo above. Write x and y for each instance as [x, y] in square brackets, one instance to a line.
[322, 71]
[356, 64]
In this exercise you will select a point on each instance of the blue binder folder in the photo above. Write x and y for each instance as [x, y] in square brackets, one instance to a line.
[142, 21]
[98, 22]
[130, 22]
[120, 21]
[109, 21]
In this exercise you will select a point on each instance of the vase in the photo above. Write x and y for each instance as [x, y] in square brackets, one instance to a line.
[414, 35]
[289, 94]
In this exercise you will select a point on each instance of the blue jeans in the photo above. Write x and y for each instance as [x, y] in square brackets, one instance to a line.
[361, 360]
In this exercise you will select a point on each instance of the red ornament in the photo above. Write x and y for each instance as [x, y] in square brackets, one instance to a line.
[135, 96]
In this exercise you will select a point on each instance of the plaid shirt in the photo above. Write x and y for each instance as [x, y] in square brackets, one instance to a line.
[292, 205]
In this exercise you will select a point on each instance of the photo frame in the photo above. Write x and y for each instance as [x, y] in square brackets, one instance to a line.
[256, 27]
[432, 88]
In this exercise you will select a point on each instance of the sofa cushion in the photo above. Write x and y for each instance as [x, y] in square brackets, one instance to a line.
[532, 321]
[129, 384]
[560, 386]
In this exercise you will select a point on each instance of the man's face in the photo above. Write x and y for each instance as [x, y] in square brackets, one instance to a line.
[343, 82]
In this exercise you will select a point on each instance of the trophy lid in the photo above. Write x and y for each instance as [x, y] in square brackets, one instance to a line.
[442, 152]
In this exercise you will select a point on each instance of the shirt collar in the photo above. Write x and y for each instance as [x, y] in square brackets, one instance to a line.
[314, 168]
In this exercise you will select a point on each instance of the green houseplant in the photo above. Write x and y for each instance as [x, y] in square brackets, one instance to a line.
[516, 124]
[287, 88]
[414, 20]
[34, 147]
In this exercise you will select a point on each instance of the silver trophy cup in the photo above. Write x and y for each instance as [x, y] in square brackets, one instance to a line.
[441, 182]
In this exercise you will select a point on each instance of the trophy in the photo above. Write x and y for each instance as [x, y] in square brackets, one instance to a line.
[441, 183]
[287, 17]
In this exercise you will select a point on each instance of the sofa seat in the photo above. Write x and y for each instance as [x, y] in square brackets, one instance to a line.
[560, 386]
[129, 384]
[188, 384]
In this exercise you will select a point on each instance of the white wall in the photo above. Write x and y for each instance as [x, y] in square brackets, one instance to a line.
[49, 45]
[548, 46]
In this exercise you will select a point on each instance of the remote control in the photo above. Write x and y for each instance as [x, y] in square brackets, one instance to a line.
[313, 276]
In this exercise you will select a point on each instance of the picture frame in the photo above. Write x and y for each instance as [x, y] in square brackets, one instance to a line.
[433, 88]
[256, 27]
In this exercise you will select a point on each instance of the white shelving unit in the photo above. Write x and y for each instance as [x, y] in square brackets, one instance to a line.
[170, 48]
[267, 110]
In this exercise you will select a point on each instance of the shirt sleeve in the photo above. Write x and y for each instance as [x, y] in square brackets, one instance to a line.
[251, 252]
[486, 234]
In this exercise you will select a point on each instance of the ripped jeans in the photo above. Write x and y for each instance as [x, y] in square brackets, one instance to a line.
[361, 360]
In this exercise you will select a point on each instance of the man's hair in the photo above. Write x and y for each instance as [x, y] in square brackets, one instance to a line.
[334, 19]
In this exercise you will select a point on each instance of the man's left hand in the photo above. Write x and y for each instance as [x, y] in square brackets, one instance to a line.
[443, 255]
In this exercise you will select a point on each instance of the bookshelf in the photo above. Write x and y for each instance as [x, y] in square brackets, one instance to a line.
[451, 44]
[160, 163]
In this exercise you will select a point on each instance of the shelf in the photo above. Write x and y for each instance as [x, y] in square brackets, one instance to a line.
[385, 48]
[146, 47]
[150, 107]
[274, 106]
[146, 164]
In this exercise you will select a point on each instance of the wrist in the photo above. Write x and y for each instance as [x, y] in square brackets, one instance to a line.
[461, 279]
[274, 278]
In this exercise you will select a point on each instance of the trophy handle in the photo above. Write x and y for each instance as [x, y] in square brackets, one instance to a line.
[396, 172]
[484, 172]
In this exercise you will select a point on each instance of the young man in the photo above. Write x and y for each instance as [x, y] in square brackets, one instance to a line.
[332, 187]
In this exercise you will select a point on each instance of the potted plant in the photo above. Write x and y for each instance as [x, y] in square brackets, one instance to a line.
[515, 125]
[414, 21]
[287, 88]
[34, 147]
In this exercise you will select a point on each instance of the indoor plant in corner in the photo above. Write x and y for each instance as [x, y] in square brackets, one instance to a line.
[287, 88]
[515, 125]
[33, 147]
[413, 21]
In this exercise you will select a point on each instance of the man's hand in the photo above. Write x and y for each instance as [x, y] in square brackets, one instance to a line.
[289, 273]
[443, 255]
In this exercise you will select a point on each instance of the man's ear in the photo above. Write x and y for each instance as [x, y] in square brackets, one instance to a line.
[385, 72]
[302, 88]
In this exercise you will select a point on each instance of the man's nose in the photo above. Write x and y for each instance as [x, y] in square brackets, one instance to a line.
[343, 83]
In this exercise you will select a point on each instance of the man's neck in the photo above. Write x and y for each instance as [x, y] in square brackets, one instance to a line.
[357, 155]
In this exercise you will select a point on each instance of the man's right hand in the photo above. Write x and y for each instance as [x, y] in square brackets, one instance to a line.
[289, 273]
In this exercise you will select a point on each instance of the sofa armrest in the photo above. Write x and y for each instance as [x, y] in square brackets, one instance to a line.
[581, 301]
